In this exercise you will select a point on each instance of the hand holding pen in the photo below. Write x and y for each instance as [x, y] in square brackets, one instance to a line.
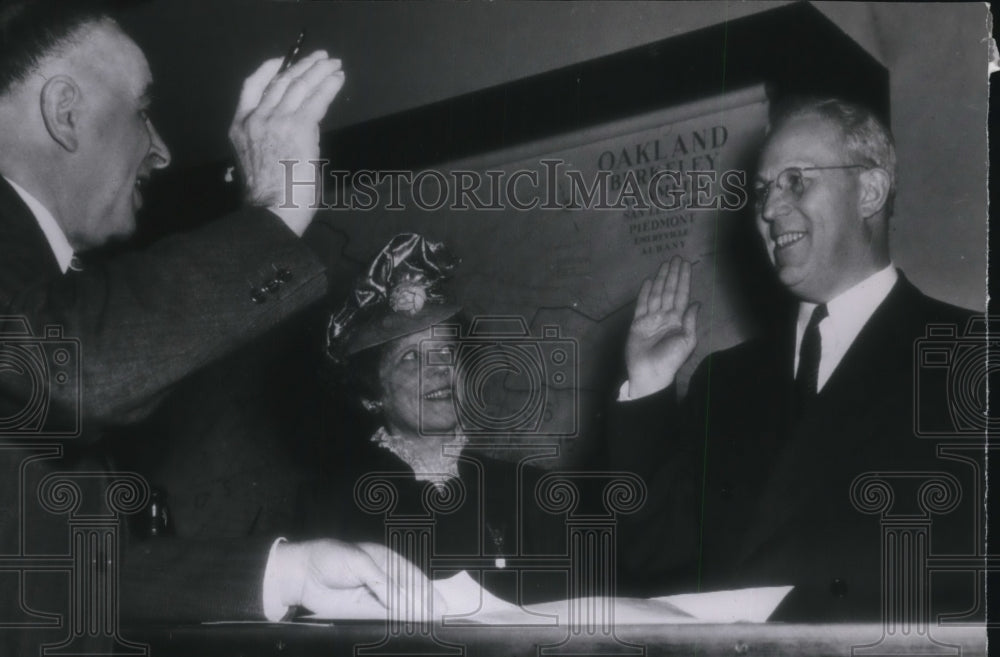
[277, 119]
[293, 53]
[292, 56]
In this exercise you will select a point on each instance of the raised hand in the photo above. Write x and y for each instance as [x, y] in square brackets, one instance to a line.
[662, 336]
[277, 119]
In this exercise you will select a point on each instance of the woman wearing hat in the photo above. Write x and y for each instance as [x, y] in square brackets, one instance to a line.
[377, 343]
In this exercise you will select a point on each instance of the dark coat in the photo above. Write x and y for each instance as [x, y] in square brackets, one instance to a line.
[144, 321]
[744, 494]
[496, 517]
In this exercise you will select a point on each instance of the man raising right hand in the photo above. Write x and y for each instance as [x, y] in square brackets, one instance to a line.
[76, 147]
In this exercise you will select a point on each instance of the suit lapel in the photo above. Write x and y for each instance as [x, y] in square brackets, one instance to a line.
[879, 337]
[817, 443]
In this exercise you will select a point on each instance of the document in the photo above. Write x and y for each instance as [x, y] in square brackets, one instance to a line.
[468, 603]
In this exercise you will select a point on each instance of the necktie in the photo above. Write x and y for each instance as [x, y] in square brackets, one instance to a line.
[809, 353]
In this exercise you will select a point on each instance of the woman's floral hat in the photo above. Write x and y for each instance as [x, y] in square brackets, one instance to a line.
[398, 295]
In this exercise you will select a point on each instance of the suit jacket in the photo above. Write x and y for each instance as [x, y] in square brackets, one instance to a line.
[750, 492]
[144, 321]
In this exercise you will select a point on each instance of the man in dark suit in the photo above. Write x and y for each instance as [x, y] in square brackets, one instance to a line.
[76, 147]
[751, 474]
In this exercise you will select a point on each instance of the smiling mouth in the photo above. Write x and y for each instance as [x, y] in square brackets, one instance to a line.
[439, 394]
[787, 239]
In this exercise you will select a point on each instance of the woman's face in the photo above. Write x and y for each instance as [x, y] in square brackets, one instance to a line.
[417, 400]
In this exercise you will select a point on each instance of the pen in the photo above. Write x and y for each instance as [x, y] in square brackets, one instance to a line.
[293, 53]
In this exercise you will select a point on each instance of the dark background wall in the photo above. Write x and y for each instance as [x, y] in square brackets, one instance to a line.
[213, 446]
[404, 55]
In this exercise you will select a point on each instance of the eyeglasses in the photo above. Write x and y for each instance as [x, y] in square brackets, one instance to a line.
[792, 180]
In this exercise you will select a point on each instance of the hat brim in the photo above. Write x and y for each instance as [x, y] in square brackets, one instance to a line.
[393, 325]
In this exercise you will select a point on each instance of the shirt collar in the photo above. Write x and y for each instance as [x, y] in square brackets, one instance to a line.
[54, 234]
[851, 309]
[429, 461]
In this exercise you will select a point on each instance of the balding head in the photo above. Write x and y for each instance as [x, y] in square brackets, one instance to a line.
[33, 30]
[824, 190]
[74, 130]
[865, 138]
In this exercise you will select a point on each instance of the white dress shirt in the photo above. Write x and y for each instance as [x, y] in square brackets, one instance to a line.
[847, 314]
[53, 231]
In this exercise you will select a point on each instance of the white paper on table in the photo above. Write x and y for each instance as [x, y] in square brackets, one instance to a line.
[468, 603]
[737, 606]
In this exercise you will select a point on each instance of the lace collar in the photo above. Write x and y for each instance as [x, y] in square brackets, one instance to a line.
[428, 463]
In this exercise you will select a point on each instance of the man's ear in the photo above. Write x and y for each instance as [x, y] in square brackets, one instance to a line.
[60, 100]
[874, 191]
